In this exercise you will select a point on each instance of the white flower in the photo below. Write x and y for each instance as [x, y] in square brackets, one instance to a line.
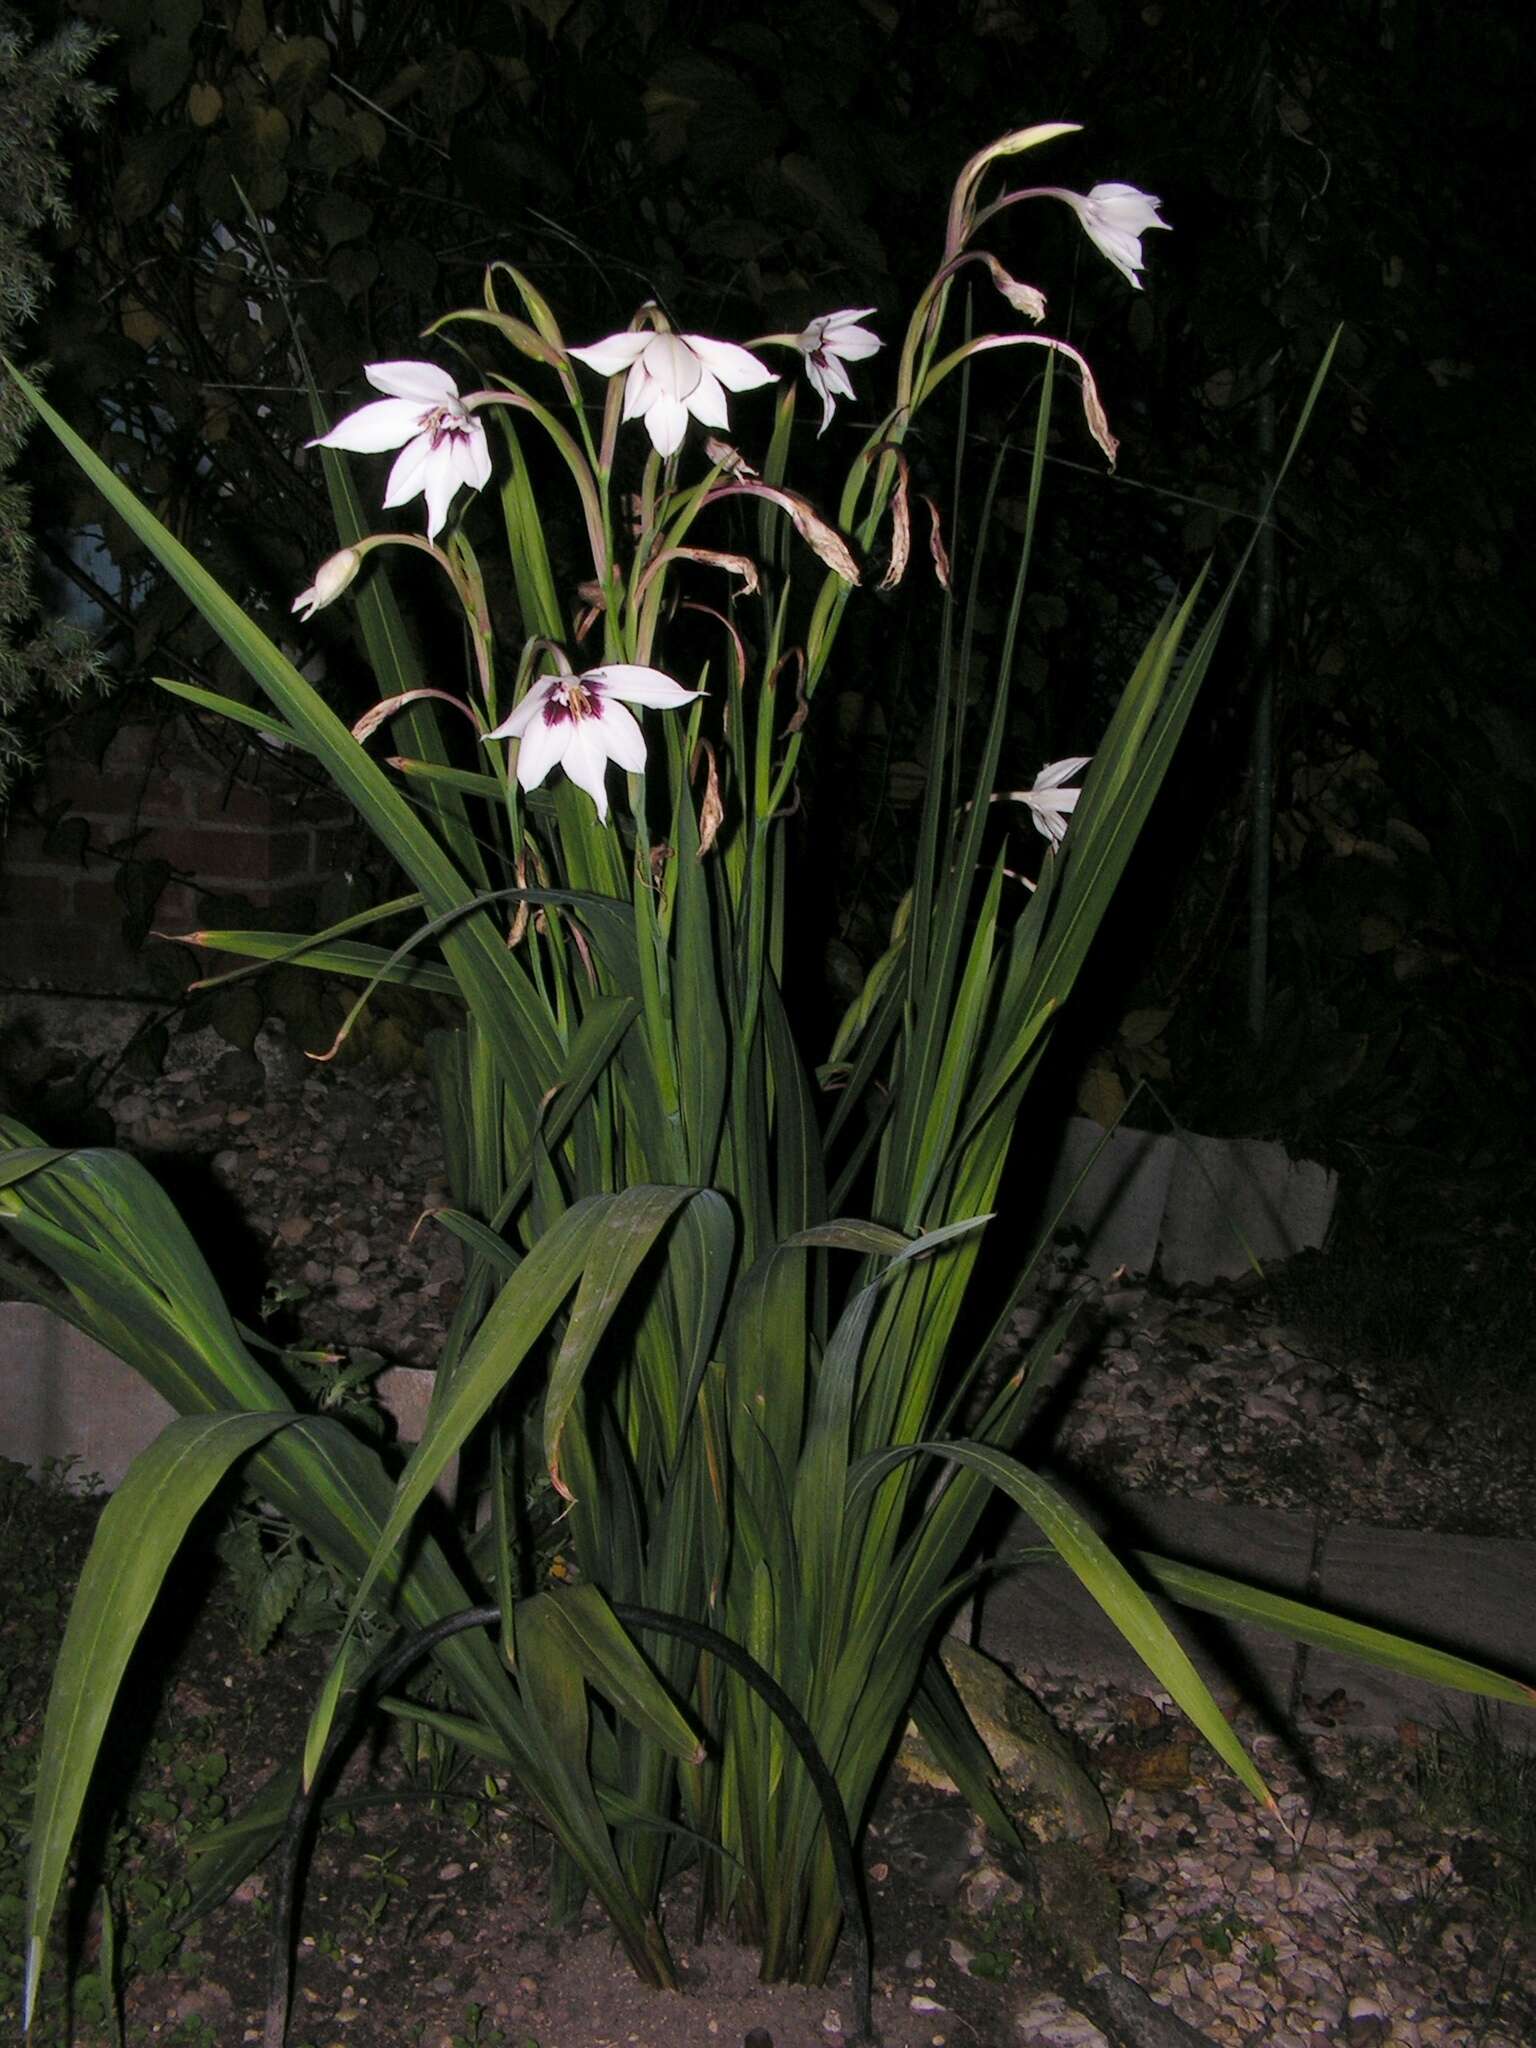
[1050, 805]
[828, 343]
[672, 375]
[577, 723]
[441, 443]
[1115, 217]
[331, 579]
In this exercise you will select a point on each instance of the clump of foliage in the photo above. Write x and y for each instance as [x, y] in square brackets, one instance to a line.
[43, 88]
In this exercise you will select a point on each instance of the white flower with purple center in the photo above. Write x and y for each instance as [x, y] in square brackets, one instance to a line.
[827, 344]
[579, 723]
[442, 445]
[673, 375]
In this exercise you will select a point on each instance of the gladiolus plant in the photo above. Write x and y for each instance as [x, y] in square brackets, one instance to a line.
[710, 1327]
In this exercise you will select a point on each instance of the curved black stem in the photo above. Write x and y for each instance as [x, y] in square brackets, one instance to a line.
[850, 1890]
[394, 1662]
[390, 1664]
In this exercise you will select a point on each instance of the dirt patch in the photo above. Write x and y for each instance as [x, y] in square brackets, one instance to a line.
[424, 1921]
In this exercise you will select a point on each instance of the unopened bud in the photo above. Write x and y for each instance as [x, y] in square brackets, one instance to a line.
[331, 579]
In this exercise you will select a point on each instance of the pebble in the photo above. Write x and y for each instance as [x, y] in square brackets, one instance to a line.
[1049, 2022]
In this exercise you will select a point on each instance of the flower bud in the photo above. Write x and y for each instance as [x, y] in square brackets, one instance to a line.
[331, 579]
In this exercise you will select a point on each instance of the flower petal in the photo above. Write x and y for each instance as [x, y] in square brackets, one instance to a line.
[439, 483]
[639, 685]
[543, 745]
[614, 353]
[522, 715]
[666, 421]
[828, 376]
[1126, 207]
[640, 392]
[817, 376]
[1115, 217]
[1056, 772]
[619, 735]
[737, 368]
[584, 758]
[408, 476]
[706, 401]
[424, 382]
[674, 365]
[844, 337]
[469, 455]
[373, 428]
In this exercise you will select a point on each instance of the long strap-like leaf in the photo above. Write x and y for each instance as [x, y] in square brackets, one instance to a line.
[139, 1533]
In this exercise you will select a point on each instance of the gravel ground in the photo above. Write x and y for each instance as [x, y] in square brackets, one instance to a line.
[1351, 1919]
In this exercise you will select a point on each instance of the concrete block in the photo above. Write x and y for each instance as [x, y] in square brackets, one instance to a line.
[1233, 1200]
[62, 1395]
[1474, 1596]
[1113, 1187]
[1196, 1206]
[1043, 1618]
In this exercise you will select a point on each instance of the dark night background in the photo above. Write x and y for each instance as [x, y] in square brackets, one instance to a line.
[1329, 161]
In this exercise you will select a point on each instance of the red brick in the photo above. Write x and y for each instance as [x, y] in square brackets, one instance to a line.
[23, 844]
[96, 901]
[179, 909]
[121, 799]
[335, 848]
[132, 747]
[236, 856]
[72, 956]
[40, 894]
[324, 807]
[236, 803]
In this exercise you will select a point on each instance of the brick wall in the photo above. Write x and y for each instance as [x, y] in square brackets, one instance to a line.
[237, 822]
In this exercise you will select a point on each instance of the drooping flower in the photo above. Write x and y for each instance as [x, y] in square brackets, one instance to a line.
[578, 723]
[1114, 218]
[673, 375]
[442, 445]
[827, 344]
[1051, 806]
[332, 577]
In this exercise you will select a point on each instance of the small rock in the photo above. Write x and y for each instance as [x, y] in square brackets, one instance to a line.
[1268, 1408]
[239, 1074]
[989, 1889]
[205, 2001]
[1049, 2022]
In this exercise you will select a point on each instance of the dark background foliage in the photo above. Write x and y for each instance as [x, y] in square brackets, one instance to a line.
[1323, 162]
